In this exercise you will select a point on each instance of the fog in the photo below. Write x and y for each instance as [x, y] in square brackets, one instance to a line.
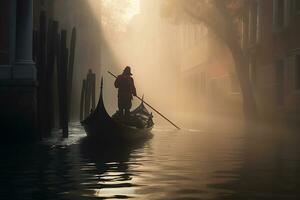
[203, 78]
[181, 68]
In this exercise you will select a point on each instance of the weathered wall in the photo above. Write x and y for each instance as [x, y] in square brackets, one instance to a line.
[18, 110]
[276, 45]
[18, 86]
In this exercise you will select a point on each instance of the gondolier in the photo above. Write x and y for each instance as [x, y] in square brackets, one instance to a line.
[100, 125]
[126, 91]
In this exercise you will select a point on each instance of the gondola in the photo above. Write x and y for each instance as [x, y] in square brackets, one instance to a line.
[100, 125]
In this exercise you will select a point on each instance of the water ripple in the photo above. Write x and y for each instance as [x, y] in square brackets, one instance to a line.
[186, 164]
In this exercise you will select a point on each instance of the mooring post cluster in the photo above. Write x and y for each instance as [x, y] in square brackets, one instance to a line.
[50, 50]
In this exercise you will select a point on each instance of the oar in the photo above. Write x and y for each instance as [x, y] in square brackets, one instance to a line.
[150, 106]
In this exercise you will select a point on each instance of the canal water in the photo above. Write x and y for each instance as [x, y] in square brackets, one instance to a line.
[217, 163]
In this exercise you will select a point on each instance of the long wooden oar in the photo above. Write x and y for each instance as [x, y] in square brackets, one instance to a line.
[150, 106]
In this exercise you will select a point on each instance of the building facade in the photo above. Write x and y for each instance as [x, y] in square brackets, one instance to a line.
[271, 40]
[18, 85]
[208, 78]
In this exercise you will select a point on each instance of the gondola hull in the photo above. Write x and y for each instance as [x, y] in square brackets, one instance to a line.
[112, 131]
[99, 125]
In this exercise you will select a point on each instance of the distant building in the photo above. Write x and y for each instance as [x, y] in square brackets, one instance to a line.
[271, 40]
[207, 69]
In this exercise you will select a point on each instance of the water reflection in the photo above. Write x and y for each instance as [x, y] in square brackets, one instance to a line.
[189, 164]
[112, 161]
[270, 168]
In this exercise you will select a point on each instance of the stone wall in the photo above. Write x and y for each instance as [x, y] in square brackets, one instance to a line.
[18, 110]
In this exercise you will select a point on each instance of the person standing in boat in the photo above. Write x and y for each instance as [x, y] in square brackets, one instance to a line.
[126, 91]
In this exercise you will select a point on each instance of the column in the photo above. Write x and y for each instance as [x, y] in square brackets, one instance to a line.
[9, 6]
[12, 31]
[24, 67]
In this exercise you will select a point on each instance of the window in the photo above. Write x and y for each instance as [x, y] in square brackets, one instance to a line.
[243, 34]
[279, 69]
[252, 70]
[254, 21]
[297, 6]
[297, 72]
[282, 12]
[278, 14]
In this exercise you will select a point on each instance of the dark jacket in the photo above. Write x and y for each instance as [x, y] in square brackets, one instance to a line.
[125, 85]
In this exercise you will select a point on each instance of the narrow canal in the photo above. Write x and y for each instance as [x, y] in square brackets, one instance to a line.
[187, 164]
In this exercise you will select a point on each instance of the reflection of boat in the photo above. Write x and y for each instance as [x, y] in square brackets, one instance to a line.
[106, 152]
[107, 169]
[100, 125]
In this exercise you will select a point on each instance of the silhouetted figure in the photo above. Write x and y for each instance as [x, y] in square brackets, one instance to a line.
[126, 90]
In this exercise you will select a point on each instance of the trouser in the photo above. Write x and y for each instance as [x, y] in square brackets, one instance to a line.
[124, 106]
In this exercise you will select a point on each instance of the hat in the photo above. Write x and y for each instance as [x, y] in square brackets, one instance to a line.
[127, 71]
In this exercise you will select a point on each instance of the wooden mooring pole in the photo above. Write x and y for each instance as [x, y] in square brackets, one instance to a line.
[41, 74]
[93, 90]
[82, 100]
[88, 95]
[70, 68]
[64, 83]
[50, 49]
